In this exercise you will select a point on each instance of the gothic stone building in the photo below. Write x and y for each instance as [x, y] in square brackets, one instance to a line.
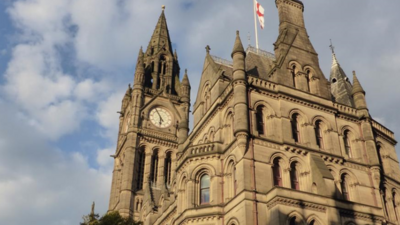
[273, 141]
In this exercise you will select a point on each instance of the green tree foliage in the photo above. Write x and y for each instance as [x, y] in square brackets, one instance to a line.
[111, 218]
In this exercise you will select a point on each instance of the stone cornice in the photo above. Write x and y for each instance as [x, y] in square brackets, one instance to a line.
[295, 203]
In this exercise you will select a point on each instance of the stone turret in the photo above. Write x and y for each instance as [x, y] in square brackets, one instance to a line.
[297, 63]
[358, 94]
[183, 127]
[241, 120]
[140, 71]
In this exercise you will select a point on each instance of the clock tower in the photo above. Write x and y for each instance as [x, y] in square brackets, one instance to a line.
[153, 123]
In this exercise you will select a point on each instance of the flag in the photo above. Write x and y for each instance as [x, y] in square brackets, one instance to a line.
[260, 13]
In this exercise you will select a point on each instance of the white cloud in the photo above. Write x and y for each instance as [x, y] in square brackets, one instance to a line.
[49, 186]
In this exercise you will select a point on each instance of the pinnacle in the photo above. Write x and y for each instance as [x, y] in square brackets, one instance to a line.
[238, 46]
[185, 80]
[357, 88]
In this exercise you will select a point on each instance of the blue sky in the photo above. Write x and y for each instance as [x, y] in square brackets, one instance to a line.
[65, 65]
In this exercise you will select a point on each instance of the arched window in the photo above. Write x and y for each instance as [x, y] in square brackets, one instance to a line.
[277, 173]
[228, 133]
[167, 169]
[140, 168]
[260, 120]
[308, 72]
[295, 127]
[394, 199]
[154, 168]
[205, 189]
[294, 74]
[312, 222]
[318, 134]
[345, 188]
[294, 176]
[347, 143]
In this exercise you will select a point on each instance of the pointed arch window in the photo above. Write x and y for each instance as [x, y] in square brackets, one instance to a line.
[308, 76]
[295, 127]
[205, 189]
[294, 176]
[344, 186]
[154, 168]
[318, 134]
[167, 169]
[277, 173]
[260, 120]
[140, 168]
[347, 143]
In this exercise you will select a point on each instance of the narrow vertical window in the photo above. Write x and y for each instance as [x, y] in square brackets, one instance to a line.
[294, 75]
[292, 221]
[318, 134]
[308, 79]
[234, 181]
[140, 165]
[347, 144]
[344, 186]
[294, 177]
[205, 189]
[277, 174]
[154, 168]
[167, 169]
[260, 120]
[295, 127]
[394, 199]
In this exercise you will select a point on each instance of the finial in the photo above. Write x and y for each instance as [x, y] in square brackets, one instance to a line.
[186, 71]
[129, 86]
[332, 47]
[163, 7]
[208, 49]
[237, 33]
[92, 211]
[248, 38]
[354, 73]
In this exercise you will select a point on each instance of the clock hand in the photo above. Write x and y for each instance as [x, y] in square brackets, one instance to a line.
[161, 120]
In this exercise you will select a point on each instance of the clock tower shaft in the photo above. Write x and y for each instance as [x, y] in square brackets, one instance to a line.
[154, 123]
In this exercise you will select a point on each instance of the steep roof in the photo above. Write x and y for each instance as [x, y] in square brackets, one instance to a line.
[356, 85]
[160, 37]
[340, 83]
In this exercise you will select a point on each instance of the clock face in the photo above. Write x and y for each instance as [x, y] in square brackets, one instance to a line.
[160, 117]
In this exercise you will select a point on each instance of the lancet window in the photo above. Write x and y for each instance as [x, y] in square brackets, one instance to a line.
[167, 169]
[294, 176]
[318, 134]
[260, 120]
[154, 168]
[140, 168]
[277, 172]
[347, 143]
[295, 127]
[344, 184]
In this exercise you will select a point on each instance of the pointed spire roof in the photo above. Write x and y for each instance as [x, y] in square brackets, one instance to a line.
[160, 35]
[238, 46]
[140, 61]
[340, 84]
[357, 88]
[185, 80]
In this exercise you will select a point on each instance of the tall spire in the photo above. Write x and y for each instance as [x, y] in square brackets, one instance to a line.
[160, 37]
[340, 84]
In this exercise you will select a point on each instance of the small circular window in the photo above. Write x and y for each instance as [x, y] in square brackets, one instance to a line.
[334, 80]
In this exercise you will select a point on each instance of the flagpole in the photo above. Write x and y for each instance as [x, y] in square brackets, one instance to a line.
[255, 23]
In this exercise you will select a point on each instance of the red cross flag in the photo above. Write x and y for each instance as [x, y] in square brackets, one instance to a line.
[260, 14]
